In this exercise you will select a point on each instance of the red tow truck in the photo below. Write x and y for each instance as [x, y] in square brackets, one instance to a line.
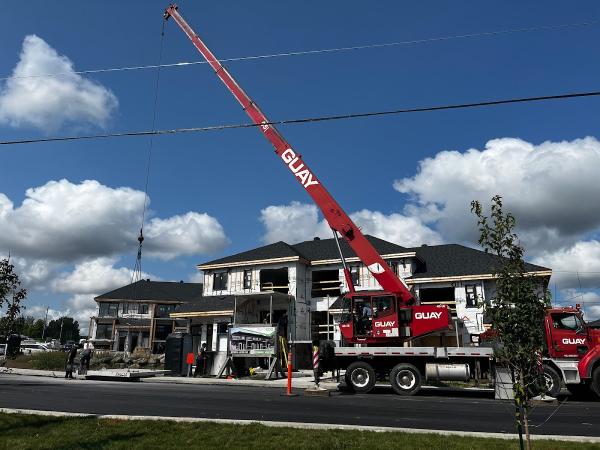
[381, 347]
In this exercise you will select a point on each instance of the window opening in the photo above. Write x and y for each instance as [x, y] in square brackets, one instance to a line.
[248, 279]
[220, 281]
[325, 282]
[567, 322]
[275, 280]
[355, 274]
[471, 296]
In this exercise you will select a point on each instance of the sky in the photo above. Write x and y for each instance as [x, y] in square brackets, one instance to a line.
[70, 211]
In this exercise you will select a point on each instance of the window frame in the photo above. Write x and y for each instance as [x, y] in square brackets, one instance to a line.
[247, 280]
[223, 278]
[107, 327]
[355, 275]
[471, 301]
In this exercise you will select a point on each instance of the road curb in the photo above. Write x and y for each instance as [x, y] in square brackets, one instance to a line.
[305, 425]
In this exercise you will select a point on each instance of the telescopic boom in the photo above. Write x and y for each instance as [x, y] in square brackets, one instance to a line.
[337, 219]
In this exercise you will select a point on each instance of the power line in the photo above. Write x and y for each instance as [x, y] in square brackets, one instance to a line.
[324, 50]
[307, 119]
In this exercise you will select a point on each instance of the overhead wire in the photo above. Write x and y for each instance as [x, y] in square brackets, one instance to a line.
[318, 51]
[137, 271]
[307, 119]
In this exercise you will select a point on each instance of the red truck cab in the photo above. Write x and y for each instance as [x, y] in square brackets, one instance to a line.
[574, 349]
[567, 335]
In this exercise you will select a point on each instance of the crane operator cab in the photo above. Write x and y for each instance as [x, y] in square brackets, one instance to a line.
[380, 318]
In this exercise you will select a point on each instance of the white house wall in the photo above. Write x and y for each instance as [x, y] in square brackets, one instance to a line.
[299, 314]
[471, 318]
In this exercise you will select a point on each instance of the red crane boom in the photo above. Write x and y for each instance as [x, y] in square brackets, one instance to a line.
[337, 219]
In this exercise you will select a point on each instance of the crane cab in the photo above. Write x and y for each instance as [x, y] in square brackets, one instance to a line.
[381, 318]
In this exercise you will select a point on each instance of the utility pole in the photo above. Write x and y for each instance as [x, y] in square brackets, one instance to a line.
[61, 326]
[45, 322]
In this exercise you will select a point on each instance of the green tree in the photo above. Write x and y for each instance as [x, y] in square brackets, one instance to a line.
[11, 295]
[70, 329]
[517, 309]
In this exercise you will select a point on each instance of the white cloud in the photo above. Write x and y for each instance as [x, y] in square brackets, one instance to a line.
[87, 280]
[94, 276]
[592, 312]
[196, 277]
[293, 223]
[400, 229]
[65, 238]
[33, 274]
[551, 188]
[574, 267]
[298, 222]
[49, 102]
[80, 307]
[589, 302]
[39, 312]
[186, 234]
[66, 222]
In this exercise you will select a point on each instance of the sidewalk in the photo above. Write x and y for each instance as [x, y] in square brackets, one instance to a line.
[298, 382]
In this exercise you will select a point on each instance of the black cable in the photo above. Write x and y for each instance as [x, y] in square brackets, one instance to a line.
[309, 119]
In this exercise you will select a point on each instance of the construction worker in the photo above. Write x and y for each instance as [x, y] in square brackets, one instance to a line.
[201, 361]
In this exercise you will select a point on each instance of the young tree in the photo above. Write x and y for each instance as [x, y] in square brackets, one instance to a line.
[11, 295]
[517, 309]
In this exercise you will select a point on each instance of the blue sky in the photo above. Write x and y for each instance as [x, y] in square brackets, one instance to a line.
[373, 165]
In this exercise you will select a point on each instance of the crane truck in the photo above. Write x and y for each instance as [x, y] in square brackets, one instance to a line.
[383, 349]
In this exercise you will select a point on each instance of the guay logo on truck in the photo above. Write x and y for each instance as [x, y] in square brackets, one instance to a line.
[573, 341]
[304, 175]
[385, 323]
[428, 315]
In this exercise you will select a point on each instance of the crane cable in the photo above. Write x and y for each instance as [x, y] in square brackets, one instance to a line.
[137, 271]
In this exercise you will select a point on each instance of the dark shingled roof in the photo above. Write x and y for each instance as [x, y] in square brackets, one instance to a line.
[223, 302]
[451, 260]
[156, 291]
[277, 250]
[313, 250]
[321, 249]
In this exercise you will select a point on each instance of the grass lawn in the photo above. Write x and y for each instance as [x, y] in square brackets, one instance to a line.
[19, 431]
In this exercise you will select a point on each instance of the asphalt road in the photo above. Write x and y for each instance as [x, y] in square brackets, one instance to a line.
[465, 411]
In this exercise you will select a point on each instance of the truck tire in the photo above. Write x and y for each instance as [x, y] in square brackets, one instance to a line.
[360, 377]
[405, 379]
[595, 384]
[552, 381]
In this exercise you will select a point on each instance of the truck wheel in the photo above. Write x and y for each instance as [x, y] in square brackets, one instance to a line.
[405, 379]
[552, 382]
[360, 377]
[595, 385]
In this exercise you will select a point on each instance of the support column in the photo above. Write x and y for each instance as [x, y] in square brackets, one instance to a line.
[214, 339]
[116, 343]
